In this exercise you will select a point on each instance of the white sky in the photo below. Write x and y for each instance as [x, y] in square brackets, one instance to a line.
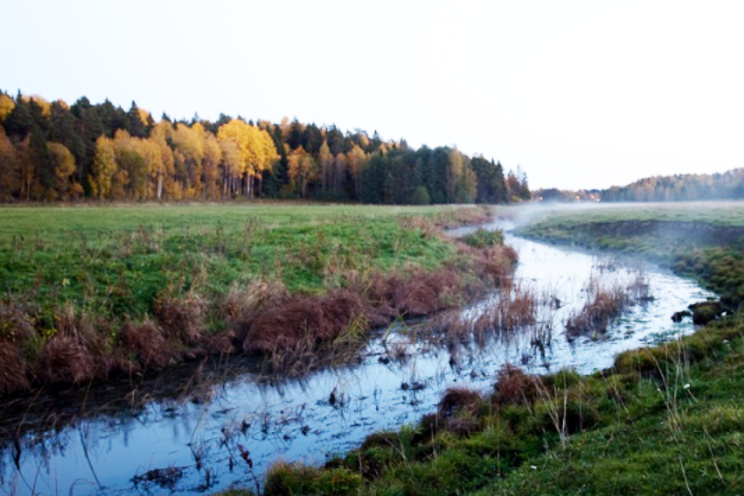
[580, 94]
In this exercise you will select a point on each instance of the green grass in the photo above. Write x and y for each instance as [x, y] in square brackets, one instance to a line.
[725, 213]
[116, 260]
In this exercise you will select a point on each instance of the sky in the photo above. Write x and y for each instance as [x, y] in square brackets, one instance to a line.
[579, 94]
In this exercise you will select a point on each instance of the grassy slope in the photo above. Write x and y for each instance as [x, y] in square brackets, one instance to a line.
[664, 420]
[72, 269]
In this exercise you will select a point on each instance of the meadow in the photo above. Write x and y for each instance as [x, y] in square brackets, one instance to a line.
[87, 291]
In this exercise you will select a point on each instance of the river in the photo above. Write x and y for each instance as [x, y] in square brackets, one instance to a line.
[196, 438]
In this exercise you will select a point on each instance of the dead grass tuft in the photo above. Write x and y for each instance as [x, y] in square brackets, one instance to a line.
[419, 293]
[604, 305]
[147, 343]
[16, 325]
[243, 304]
[493, 263]
[222, 343]
[514, 386]
[182, 318]
[515, 307]
[458, 399]
[424, 293]
[303, 320]
[64, 360]
[12, 369]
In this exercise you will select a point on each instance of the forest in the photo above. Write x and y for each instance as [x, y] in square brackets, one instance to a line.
[52, 151]
[680, 187]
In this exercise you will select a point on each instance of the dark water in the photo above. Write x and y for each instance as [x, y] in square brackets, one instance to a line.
[197, 437]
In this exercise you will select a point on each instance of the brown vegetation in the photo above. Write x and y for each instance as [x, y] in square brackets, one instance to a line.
[515, 307]
[513, 386]
[181, 318]
[458, 399]
[12, 369]
[605, 304]
[147, 343]
[65, 360]
[293, 331]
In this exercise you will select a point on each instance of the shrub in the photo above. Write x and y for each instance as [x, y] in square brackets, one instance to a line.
[483, 239]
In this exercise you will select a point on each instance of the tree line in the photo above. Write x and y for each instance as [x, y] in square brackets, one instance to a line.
[680, 187]
[52, 151]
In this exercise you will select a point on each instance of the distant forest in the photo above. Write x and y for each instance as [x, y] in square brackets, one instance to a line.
[57, 152]
[680, 187]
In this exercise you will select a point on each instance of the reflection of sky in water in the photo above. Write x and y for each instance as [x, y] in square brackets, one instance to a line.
[295, 421]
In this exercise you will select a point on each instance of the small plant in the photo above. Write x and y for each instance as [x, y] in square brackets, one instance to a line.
[484, 239]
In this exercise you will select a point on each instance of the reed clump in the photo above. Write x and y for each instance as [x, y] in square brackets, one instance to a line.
[514, 307]
[604, 305]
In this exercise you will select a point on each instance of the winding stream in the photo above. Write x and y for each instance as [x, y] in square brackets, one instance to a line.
[198, 438]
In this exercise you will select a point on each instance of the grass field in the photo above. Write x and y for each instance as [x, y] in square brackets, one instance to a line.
[662, 420]
[727, 213]
[116, 260]
[115, 287]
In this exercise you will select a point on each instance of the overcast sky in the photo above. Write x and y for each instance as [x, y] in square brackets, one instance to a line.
[580, 94]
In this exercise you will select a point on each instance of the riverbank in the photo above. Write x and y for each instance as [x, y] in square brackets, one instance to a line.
[703, 240]
[95, 292]
[663, 418]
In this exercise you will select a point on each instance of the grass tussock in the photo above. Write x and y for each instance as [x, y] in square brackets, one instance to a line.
[146, 343]
[605, 304]
[65, 360]
[182, 318]
[514, 307]
[12, 369]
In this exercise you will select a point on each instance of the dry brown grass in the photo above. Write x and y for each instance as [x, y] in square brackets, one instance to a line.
[147, 343]
[12, 369]
[16, 324]
[302, 319]
[65, 360]
[458, 399]
[182, 318]
[605, 304]
[463, 217]
[514, 386]
[243, 304]
[515, 307]
[494, 263]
